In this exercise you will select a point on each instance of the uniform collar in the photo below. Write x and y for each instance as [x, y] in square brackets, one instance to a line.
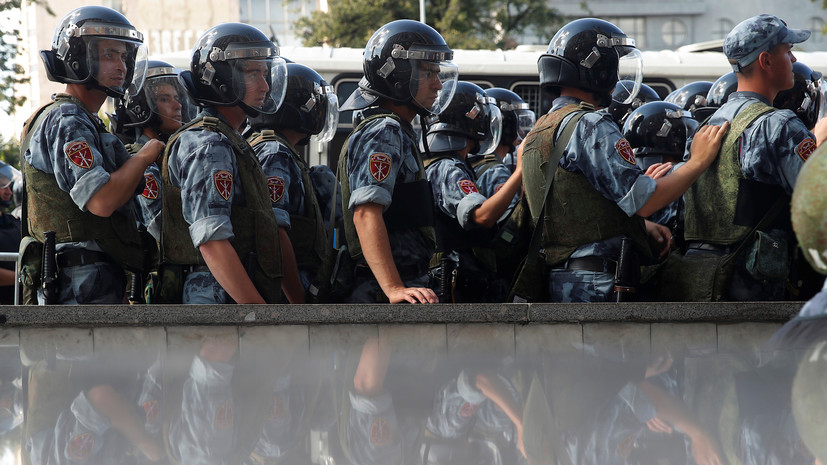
[561, 102]
[748, 94]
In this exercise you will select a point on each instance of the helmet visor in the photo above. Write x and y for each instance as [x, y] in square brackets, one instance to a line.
[119, 65]
[167, 98]
[630, 73]
[330, 113]
[525, 122]
[433, 84]
[821, 95]
[495, 129]
[260, 83]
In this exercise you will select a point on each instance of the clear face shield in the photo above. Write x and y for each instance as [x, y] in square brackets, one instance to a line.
[432, 82]
[330, 106]
[525, 121]
[117, 64]
[495, 126]
[260, 83]
[167, 98]
[821, 93]
[629, 69]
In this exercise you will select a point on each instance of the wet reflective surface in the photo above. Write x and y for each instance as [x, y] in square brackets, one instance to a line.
[601, 393]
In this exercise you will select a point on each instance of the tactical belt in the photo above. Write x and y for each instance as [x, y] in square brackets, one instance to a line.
[406, 272]
[78, 257]
[197, 269]
[706, 246]
[592, 263]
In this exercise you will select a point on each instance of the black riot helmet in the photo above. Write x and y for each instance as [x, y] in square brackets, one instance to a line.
[659, 128]
[691, 96]
[98, 47]
[592, 55]
[518, 119]
[400, 59]
[470, 115]
[161, 104]
[717, 95]
[806, 98]
[310, 106]
[230, 59]
[620, 110]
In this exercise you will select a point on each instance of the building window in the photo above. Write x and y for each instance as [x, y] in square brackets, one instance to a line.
[722, 30]
[816, 26]
[632, 26]
[674, 33]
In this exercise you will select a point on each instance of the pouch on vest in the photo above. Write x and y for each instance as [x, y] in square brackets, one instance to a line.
[510, 243]
[334, 281]
[767, 258]
[165, 286]
[695, 278]
[31, 263]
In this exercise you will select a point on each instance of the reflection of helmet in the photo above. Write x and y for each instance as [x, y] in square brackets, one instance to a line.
[216, 75]
[585, 54]
[309, 106]
[517, 118]
[142, 109]
[392, 61]
[620, 110]
[805, 97]
[690, 96]
[809, 209]
[659, 128]
[470, 115]
[74, 56]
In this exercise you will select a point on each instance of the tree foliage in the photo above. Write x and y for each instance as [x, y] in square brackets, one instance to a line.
[465, 24]
[11, 73]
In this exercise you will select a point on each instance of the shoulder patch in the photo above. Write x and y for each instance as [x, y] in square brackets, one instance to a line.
[79, 153]
[498, 187]
[467, 186]
[278, 410]
[625, 150]
[151, 411]
[275, 185]
[806, 148]
[224, 416]
[223, 181]
[80, 447]
[468, 409]
[380, 166]
[150, 187]
[380, 432]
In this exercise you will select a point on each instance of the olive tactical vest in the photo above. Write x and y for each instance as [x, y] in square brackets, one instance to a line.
[487, 162]
[576, 213]
[48, 208]
[711, 200]
[307, 232]
[423, 203]
[254, 225]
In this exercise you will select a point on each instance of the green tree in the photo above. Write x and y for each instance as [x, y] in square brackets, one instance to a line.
[11, 73]
[465, 24]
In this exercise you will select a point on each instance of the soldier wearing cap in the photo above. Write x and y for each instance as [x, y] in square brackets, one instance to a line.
[759, 161]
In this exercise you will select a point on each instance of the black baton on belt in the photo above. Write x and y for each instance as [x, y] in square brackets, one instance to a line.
[48, 272]
[625, 273]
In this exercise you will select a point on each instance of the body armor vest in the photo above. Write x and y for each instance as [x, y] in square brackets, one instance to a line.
[48, 208]
[307, 232]
[576, 213]
[711, 200]
[254, 225]
[411, 204]
[487, 162]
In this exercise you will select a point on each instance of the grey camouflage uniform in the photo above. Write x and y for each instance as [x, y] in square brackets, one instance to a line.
[492, 180]
[149, 200]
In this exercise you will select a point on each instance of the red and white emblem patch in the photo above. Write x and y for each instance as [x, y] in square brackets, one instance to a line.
[223, 181]
[277, 410]
[806, 148]
[276, 186]
[80, 447]
[468, 409]
[80, 154]
[467, 186]
[380, 166]
[625, 151]
[151, 411]
[150, 187]
[498, 187]
[380, 432]
[224, 416]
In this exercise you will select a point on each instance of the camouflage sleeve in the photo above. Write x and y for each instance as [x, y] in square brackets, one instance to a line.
[205, 164]
[373, 433]
[455, 193]
[277, 163]
[492, 180]
[455, 406]
[150, 201]
[775, 148]
[375, 157]
[67, 144]
[598, 150]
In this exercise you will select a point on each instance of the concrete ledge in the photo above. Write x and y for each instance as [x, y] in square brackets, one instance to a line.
[190, 315]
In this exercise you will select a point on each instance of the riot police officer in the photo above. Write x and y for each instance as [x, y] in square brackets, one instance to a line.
[621, 105]
[310, 108]
[388, 216]
[218, 233]
[806, 97]
[80, 181]
[691, 96]
[599, 193]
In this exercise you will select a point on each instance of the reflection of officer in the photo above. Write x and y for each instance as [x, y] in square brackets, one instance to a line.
[387, 222]
[9, 233]
[599, 193]
[763, 166]
[76, 172]
[464, 217]
[310, 108]
[221, 227]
